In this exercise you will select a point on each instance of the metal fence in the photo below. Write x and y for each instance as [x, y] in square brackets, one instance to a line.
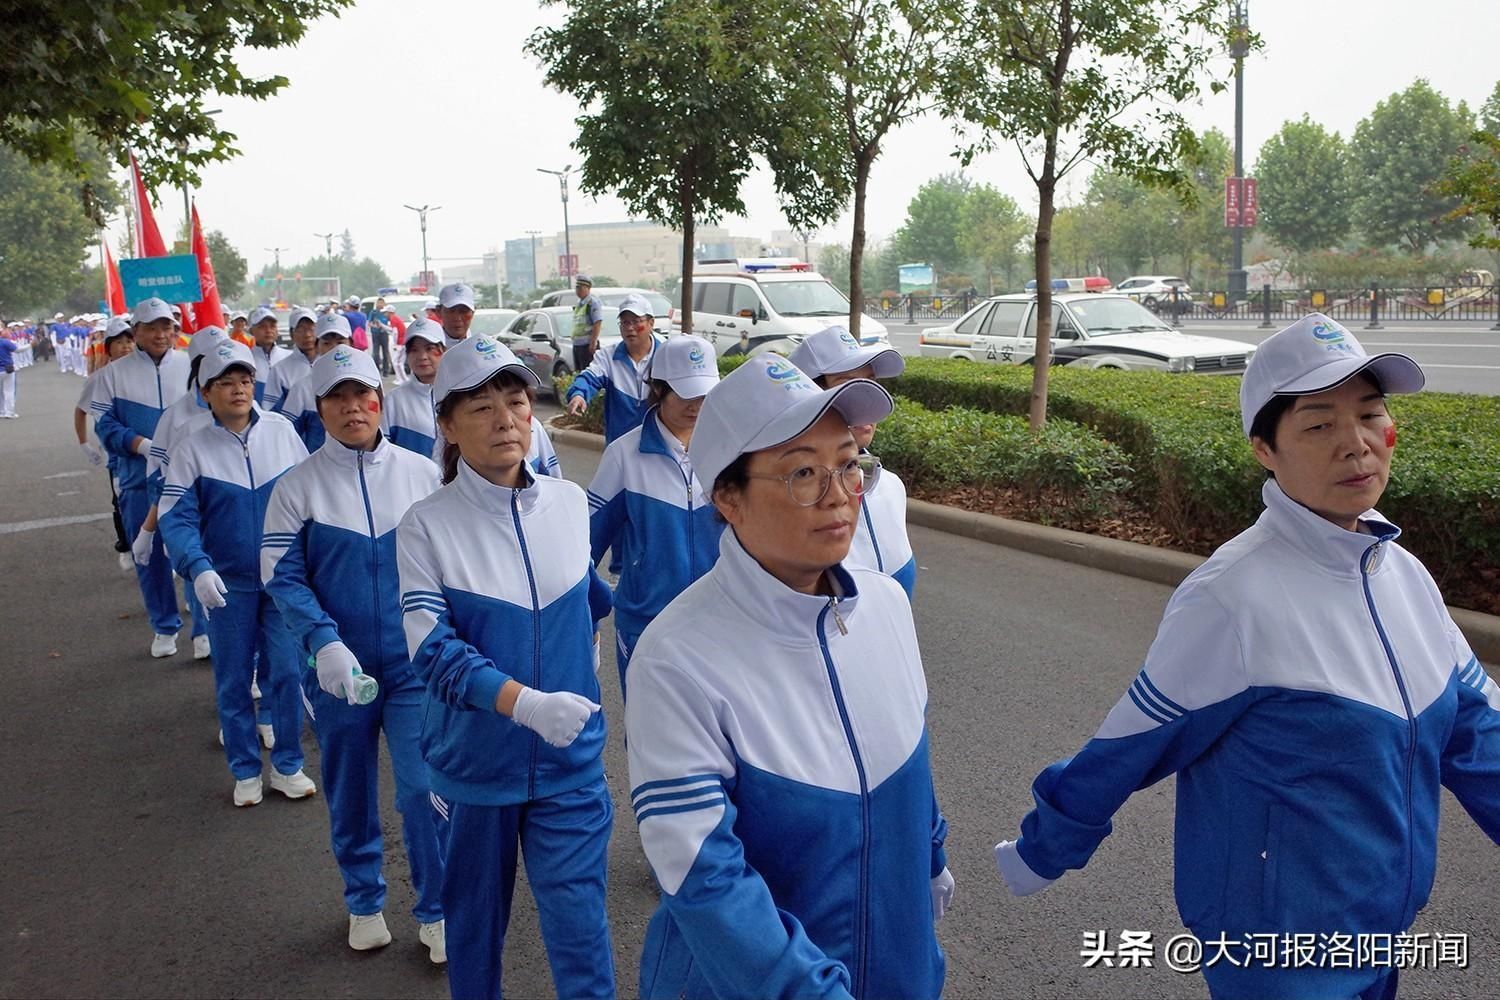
[911, 308]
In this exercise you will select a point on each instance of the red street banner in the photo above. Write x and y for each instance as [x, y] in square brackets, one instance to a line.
[567, 264]
[114, 292]
[209, 311]
[147, 238]
[1250, 209]
[1232, 191]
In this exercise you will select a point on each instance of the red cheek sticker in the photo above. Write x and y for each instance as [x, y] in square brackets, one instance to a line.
[374, 407]
[1390, 435]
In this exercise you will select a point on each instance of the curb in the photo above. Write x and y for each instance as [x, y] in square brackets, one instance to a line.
[1143, 562]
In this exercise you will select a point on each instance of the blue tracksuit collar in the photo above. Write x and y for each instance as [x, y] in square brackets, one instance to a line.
[1325, 543]
[622, 353]
[494, 499]
[782, 611]
[254, 419]
[348, 458]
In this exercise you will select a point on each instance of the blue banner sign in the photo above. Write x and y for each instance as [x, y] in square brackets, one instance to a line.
[173, 279]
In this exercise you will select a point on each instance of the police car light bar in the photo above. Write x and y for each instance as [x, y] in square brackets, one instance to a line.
[1091, 284]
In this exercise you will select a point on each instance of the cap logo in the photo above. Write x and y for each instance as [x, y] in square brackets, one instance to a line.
[226, 352]
[342, 358]
[696, 356]
[787, 374]
[848, 338]
[486, 346]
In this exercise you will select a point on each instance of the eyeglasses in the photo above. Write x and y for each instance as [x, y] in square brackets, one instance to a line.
[630, 319]
[808, 485]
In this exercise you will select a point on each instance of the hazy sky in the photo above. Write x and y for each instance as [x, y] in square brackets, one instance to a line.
[434, 102]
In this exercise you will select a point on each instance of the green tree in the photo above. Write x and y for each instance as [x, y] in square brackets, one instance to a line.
[1198, 221]
[1473, 179]
[934, 220]
[991, 232]
[1399, 153]
[230, 267]
[1075, 80]
[681, 95]
[44, 233]
[1304, 188]
[1489, 112]
[135, 74]
[359, 277]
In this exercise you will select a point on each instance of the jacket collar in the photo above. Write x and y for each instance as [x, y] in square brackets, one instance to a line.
[348, 458]
[494, 499]
[785, 614]
[622, 353]
[1336, 549]
[655, 440]
[254, 419]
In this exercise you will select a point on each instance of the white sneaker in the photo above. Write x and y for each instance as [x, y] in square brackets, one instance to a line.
[201, 648]
[254, 690]
[296, 786]
[221, 737]
[248, 791]
[127, 564]
[436, 940]
[163, 645]
[267, 735]
[367, 933]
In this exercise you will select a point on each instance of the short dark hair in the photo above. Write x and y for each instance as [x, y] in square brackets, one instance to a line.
[657, 393]
[505, 380]
[226, 371]
[193, 370]
[734, 476]
[1265, 422]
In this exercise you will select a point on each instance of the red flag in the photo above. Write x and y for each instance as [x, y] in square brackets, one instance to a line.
[114, 291]
[209, 311]
[148, 241]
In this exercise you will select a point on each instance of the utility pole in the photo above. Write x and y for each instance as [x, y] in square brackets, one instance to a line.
[422, 216]
[327, 239]
[1239, 39]
[535, 278]
[277, 252]
[562, 183]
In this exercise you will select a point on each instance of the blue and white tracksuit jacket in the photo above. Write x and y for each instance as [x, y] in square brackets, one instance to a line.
[1314, 696]
[780, 777]
[407, 418]
[880, 541]
[497, 584]
[328, 560]
[624, 384]
[300, 406]
[649, 507]
[179, 421]
[128, 401]
[265, 361]
[283, 375]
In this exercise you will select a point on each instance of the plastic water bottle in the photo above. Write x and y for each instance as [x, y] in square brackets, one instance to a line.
[366, 688]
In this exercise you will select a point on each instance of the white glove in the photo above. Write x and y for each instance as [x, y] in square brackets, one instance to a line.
[336, 667]
[942, 894]
[91, 453]
[140, 549]
[143, 447]
[556, 716]
[1018, 876]
[210, 590]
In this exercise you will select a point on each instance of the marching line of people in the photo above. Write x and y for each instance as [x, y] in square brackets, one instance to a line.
[420, 569]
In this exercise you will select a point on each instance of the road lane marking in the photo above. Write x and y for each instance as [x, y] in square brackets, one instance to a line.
[15, 527]
[67, 475]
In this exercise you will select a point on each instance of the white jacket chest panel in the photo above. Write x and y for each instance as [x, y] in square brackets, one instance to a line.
[887, 515]
[215, 453]
[134, 378]
[410, 405]
[327, 490]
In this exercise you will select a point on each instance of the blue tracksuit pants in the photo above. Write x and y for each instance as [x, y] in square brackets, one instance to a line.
[564, 840]
[195, 610]
[625, 643]
[233, 631]
[349, 738]
[158, 586]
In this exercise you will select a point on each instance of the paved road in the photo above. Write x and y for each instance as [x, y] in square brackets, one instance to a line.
[126, 871]
[1457, 356]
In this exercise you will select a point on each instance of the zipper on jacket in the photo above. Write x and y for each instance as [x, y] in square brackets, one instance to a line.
[364, 489]
[862, 904]
[870, 527]
[536, 631]
[1366, 566]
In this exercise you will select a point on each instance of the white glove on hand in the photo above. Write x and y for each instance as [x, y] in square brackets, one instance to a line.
[143, 447]
[91, 453]
[140, 549]
[336, 667]
[942, 894]
[1018, 876]
[210, 590]
[556, 716]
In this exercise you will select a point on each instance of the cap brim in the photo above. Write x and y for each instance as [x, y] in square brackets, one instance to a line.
[858, 402]
[440, 340]
[887, 362]
[1395, 373]
[692, 386]
[521, 371]
[364, 380]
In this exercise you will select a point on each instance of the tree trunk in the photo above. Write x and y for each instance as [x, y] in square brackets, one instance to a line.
[685, 310]
[1046, 191]
[862, 161]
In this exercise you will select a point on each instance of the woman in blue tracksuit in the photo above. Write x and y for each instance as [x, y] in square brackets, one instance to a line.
[1309, 689]
[328, 559]
[300, 405]
[777, 738]
[621, 372]
[832, 357]
[212, 508]
[645, 502]
[501, 603]
[294, 367]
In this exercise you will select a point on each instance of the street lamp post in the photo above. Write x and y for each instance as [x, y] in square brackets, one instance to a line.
[1238, 47]
[562, 183]
[327, 239]
[422, 216]
[277, 252]
[535, 278]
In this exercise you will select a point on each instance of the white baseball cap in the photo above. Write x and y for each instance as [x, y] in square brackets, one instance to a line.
[636, 303]
[259, 314]
[834, 349]
[474, 362]
[298, 315]
[1312, 355]
[687, 364]
[425, 329]
[456, 294]
[219, 359]
[766, 401]
[205, 340]
[237, 314]
[352, 300]
[333, 324]
[430, 304]
[150, 310]
[343, 364]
